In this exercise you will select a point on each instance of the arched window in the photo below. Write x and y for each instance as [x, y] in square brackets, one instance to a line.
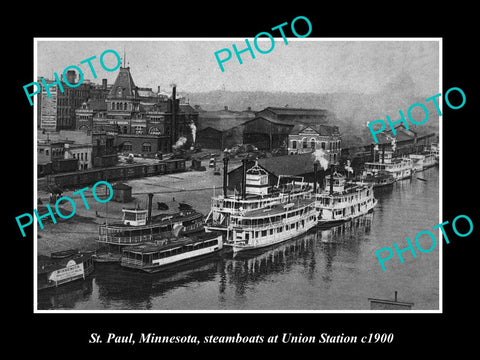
[124, 106]
[312, 143]
[113, 106]
[305, 143]
[146, 147]
[127, 146]
[154, 131]
[294, 144]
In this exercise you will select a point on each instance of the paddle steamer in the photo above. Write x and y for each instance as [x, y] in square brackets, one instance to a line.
[341, 201]
[139, 226]
[255, 194]
[399, 168]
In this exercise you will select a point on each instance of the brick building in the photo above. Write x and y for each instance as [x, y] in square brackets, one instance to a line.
[142, 121]
[57, 111]
[308, 138]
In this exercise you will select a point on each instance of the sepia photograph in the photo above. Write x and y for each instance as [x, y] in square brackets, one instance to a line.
[227, 175]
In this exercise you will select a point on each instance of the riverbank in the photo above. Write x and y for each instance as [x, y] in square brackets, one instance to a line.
[81, 231]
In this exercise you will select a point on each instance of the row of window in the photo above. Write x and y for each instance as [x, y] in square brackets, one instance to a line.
[333, 145]
[184, 249]
[280, 229]
[80, 156]
[140, 130]
[128, 146]
[119, 106]
[267, 220]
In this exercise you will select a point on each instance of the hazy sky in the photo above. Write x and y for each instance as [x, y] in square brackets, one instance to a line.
[304, 65]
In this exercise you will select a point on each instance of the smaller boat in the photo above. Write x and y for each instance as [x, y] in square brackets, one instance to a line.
[153, 257]
[342, 200]
[63, 267]
[63, 254]
[162, 206]
[184, 206]
[379, 179]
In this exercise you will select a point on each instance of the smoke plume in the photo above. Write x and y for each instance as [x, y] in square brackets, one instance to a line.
[319, 156]
[194, 131]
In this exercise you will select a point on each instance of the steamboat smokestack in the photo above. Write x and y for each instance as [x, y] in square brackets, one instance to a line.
[244, 179]
[383, 153]
[332, 168]
[149, 215]
[315, 170]
[372, 152]
[225, 176]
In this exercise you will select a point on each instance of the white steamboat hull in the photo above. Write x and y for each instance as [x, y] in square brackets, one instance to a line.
[274, 239]
[327, 218]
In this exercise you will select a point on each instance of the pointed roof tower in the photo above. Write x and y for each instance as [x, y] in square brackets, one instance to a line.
[124, 87]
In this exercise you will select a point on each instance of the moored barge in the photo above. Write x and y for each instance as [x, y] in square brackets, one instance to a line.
[63, 267]
[153, 257]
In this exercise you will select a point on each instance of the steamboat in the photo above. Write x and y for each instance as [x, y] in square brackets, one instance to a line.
[274, 224]
[399, 168]
[63, 267]
[255, 194]
[139, 226]
[157, 256]
[423, 161]
[380, 179]
[341, 201]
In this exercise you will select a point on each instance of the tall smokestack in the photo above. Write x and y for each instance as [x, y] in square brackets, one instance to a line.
[383, 153]
[149, 216]
[332, 168]
[372, 152]
[225, 176]
[244, 178]
[174, 115]
[315, 170]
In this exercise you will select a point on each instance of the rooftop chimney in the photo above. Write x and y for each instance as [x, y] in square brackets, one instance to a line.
[226, 108]
[71, 77]
[104, 84]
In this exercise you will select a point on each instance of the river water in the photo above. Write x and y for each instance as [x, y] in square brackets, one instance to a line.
[328, 269]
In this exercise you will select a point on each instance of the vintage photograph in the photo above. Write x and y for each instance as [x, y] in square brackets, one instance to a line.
[166, 182]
